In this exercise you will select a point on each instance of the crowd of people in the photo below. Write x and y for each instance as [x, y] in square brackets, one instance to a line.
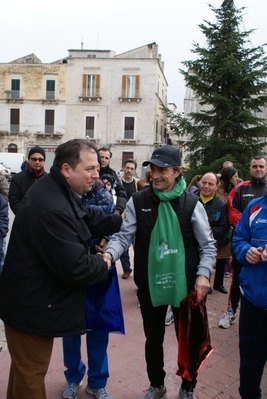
[74, 222]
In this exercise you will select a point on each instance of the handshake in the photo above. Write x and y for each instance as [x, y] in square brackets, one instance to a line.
[99, 248]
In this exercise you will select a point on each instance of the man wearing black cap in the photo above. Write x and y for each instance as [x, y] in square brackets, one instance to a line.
[174, 254]
[21, 182]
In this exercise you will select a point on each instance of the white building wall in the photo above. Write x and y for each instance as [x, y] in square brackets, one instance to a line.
[109, 112]
[70, 111]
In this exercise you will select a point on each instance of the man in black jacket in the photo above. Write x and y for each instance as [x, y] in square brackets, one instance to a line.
[105, 156]
[216, 210]
[21, 182]
[47, 266]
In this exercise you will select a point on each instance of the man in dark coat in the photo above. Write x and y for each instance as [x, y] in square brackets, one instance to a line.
[105, 156]
[47, 266]
[22, 181]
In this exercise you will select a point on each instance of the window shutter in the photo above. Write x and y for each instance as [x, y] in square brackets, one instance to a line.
[123, 88]
[90, 126]
[14, 116]
[49, 117]
[90, 123]
[137, 84]
[50, 85]
[97, 85]
[15, 84]
[84, 85]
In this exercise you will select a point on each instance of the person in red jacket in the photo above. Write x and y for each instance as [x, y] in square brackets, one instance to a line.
[237, 200]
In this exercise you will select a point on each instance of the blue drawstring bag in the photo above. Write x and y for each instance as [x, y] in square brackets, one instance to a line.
[103, 305]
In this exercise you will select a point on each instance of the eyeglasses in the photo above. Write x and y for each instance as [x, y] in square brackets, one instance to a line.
[37, 159]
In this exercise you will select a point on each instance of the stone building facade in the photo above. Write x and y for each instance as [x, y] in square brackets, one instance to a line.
[113, 100]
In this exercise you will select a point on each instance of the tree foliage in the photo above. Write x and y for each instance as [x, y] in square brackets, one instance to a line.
[228, 79]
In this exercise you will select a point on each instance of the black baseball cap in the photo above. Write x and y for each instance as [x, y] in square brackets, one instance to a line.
[164, 157]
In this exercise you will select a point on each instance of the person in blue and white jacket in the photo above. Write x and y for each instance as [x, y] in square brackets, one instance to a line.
[250, 247]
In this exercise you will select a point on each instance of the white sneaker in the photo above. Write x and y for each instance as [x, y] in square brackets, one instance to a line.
[71, 390]
[227, 320]
[99, 393]
[155, 392]
[169, 317]
[183, 394]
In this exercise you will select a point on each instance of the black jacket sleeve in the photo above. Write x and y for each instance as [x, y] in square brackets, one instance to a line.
[102, 224]
[121, 197]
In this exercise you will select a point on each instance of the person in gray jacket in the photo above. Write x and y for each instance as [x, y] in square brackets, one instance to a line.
[174, 254]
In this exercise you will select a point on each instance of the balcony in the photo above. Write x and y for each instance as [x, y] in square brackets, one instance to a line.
[14, 131]
[130, 99]
[50, 95]
[127, 141]
[14, 128]
[49, 129]
[13, 96]
[89, 99]
[55, 135]
[128, 138]
[50, 98]
[91, 136]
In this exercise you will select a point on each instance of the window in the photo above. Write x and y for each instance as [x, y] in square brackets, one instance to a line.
[50, 89]
[130, 86]
[91, 85]
[90, 126]
[49, 121]
[15, 88]
[14, 120]
[127, 155]
[129, 127]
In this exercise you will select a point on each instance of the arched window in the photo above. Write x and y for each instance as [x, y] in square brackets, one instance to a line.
[12, 147]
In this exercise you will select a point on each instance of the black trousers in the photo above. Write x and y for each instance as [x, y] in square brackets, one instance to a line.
[252, 347]
[154, 329]
[219, 272]
[234, 295]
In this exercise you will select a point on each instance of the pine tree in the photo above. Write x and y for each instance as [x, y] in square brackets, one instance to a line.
[229, 80]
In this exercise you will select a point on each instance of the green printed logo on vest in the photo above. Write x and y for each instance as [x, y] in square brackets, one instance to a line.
[163, 248]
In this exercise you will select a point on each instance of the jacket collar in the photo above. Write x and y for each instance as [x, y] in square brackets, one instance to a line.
[79, 209]
[255, 182]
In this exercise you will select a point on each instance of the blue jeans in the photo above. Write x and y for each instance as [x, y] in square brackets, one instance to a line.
[125, 262]
[96, 343]
[252, 347]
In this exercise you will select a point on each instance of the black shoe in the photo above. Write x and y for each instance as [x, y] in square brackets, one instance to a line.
[220, 288]
[210, 291]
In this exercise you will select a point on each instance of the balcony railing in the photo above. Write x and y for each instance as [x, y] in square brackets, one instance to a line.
[49, 129]
[89, 133]
[15, 94]
[14, 128]
[50, 95]
[129, 134]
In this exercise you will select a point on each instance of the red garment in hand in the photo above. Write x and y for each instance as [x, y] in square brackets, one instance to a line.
[194, 337]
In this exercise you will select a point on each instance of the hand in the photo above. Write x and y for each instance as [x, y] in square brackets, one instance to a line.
[101, 245]
[202, 285]
[254, 255]
[106, 258]
[264, 254]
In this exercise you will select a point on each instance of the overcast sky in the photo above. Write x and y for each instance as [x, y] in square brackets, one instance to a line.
[52, 27]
